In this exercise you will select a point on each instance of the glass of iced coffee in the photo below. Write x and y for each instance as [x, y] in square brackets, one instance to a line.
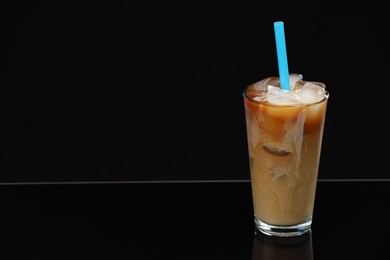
[284, 132]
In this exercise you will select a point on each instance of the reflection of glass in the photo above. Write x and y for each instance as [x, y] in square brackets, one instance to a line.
[286, 248]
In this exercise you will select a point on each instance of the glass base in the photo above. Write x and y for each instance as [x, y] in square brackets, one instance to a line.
[283, 231]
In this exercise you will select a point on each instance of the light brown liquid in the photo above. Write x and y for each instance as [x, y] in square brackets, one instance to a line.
[284, 147]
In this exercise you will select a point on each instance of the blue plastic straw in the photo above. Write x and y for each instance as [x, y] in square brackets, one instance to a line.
[282, 56]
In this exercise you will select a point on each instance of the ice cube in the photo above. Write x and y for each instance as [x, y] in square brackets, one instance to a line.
[277, 174]
[294, 78]
[278, 96]
[311, 93]
[276, 150]
[260, 98]
[263, 84]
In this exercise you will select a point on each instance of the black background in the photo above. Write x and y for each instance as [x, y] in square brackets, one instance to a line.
[119, 91]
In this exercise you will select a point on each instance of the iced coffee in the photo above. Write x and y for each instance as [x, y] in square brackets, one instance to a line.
[284, 131]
